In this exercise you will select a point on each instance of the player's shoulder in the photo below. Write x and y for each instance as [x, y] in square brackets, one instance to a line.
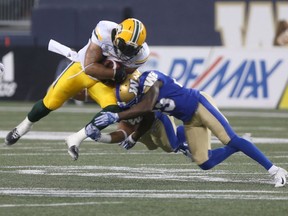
[152, 74]
[148, 78]
[142, 55]
[104, 28]
[105, 24]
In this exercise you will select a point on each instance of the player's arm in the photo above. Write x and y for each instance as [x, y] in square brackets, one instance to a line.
[94, 67]
[145, 105]
[144, 126]
[124, 129]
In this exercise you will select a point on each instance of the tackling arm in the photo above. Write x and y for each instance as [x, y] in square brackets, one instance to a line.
[144, 126]
[124, 129]
[145, 105]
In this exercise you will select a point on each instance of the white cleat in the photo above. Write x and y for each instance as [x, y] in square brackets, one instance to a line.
[73, 147]
[280, 177]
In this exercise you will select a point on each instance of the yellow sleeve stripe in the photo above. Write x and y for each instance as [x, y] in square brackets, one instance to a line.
[141, 61]
[97, 34]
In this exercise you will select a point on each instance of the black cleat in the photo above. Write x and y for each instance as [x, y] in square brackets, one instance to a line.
[73, 152]
[12, 137]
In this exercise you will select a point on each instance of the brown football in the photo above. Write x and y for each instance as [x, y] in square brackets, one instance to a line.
[111, 64]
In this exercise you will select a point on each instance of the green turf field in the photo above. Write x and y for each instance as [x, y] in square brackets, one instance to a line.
[38, 177]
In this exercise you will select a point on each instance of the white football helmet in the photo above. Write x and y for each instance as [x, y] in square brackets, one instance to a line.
[127, 91]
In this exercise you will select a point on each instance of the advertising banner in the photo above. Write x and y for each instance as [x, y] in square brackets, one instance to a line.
[28, 73]
[236, 78]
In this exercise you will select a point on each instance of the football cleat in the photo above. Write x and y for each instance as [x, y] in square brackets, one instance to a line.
[73, 146]
[184, 149]
[73, 151]
[12, 137]
[20, 130]
[280, 177]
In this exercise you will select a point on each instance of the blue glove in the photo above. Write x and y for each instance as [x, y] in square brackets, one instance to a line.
[106, 119]
[93, 132]
[128, 143]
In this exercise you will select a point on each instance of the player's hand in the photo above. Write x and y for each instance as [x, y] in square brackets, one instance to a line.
[2, 68]
[106, 119]
[128, 143]
[119, 74]
[93, 132]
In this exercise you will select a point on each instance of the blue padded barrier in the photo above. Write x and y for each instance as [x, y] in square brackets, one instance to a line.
[54, 23]
[87, 19]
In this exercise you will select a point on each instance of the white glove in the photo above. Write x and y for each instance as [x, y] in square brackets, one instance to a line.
[2, 69]
[106, 119]
[128, 143]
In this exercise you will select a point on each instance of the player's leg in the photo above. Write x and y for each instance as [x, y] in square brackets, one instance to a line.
[163, 133]
[74, 141]
[71, 81]
[147, 140]
[104, 95]
[183, 145]
[220, 127]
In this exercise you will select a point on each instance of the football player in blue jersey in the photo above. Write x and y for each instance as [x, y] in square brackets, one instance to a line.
[124, 43]
[162, 132]
[199, 114]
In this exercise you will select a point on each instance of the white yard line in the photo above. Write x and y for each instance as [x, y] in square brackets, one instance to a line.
[96, 108]
[46, 135]
[175, 194]
[57, 204]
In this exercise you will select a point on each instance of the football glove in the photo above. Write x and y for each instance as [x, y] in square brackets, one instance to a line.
[128, 143]
[119, 74]
[93, 132]
[106, 119]
[2, 68]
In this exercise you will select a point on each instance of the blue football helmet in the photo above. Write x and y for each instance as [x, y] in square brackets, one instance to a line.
[127, 91]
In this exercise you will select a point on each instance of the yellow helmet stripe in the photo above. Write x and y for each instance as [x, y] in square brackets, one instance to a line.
[136, 31]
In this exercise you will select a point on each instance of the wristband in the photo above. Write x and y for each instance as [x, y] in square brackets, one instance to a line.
[105, 138]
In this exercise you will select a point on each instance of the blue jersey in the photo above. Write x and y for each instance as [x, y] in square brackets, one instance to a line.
[173, 99]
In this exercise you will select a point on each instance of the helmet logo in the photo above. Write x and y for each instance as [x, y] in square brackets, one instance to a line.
[133, 87]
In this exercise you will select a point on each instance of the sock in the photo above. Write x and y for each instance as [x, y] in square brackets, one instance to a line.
[250, 150]
[181, 134]
[216, 156]
[76, 138]
[273, 170]
[38, 111]
[24, 126]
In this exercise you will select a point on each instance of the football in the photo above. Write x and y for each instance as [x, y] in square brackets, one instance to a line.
[112, 64]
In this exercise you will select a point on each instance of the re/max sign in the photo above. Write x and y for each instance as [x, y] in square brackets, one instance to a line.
[248, 78]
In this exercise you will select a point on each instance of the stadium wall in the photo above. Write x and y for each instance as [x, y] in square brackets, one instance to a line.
[194, 34]
[236, 78]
